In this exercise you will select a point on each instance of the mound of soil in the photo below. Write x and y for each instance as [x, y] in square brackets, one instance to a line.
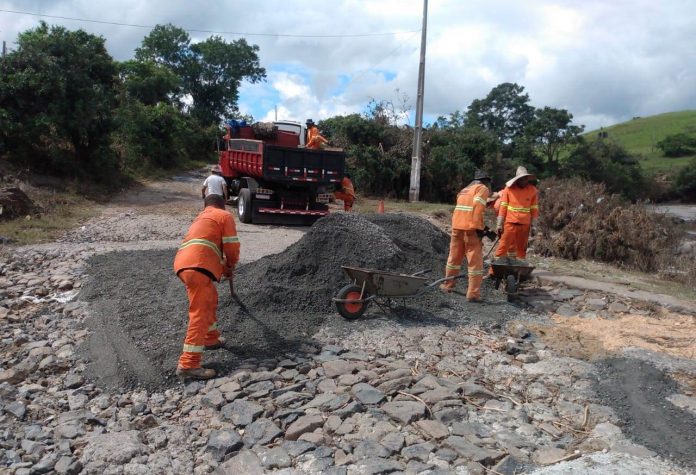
[140, 307]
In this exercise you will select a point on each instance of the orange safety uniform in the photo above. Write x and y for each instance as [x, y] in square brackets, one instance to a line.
[466, 220]
[346, 193]
[314, 139]
[518, 207]
[210, 244]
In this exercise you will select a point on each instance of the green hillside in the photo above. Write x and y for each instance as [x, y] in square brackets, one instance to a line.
[640, 135]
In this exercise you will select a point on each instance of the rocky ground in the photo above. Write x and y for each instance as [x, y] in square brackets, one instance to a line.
[455, 393]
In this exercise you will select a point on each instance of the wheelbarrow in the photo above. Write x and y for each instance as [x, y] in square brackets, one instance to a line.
[512, 272]
[370, 285]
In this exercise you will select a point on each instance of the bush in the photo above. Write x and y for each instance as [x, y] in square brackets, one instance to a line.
[678, 145]
[446, 171]
[158, 136]
[685, 182]
[601, 161]
[580, 220]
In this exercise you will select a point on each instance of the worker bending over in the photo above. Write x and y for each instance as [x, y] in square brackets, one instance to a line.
[314, 139]
[519, 209]
[467, 234]
[346, 193]
[210, 249]
[215, 184]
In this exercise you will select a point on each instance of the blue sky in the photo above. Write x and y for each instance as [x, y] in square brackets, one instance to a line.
[603, 61]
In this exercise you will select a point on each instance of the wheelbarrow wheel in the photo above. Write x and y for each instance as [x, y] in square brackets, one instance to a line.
[511, 287]
[351, 311]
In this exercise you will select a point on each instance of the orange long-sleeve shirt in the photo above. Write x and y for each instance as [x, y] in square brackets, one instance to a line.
[210, 243]
[314, 138]
[471, 204]
[519, 205]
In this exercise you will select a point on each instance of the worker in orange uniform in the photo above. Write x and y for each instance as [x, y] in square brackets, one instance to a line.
[346, 193]
[314, 139]
[210, 249]
[519, 209]
[467, 234]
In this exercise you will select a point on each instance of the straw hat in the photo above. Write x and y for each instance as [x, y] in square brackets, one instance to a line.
[521, 172]
[216, 169]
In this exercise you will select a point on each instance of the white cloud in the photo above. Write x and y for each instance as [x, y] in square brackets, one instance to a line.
[604, 61]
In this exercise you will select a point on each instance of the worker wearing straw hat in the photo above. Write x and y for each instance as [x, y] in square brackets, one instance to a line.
[519, 209]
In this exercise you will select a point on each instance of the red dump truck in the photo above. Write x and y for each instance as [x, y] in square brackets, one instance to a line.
[273, 178]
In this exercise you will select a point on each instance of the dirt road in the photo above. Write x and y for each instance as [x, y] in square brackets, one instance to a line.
[436, 386]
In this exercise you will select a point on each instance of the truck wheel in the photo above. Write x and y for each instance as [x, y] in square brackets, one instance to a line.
[244, 209]
[351, 311]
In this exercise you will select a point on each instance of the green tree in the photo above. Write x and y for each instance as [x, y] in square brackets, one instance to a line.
[505, 112]
[678, 145]
[446, 171]
[606, 162]
[550, 132]
[148, 82]
[685, 182]
[211, 71]
[57, 91]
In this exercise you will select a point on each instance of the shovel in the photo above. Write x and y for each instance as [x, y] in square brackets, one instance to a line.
[234, 296]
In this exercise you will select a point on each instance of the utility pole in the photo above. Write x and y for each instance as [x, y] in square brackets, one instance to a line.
[414, 190]
[4, 49]
[276, 112]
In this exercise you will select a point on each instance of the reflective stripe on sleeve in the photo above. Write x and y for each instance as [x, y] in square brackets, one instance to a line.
[202, 242]
[503, 204]
[478, 199]
[519, 210]
[230, 239]
[463, 208]
[534, 207]
[193, 348]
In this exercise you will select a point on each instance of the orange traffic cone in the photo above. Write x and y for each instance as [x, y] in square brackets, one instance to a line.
[380, 206]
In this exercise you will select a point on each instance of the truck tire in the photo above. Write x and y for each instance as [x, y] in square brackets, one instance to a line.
[244, 205]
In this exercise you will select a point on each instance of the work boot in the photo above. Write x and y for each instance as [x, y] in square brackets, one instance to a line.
[195, 373]
[475, 299]
[215, 346]
[446, 289]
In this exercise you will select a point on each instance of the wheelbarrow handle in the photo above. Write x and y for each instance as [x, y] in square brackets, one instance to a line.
[421, 272]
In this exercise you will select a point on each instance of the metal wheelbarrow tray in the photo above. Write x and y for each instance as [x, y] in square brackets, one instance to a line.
[371, 284]
[512, 272]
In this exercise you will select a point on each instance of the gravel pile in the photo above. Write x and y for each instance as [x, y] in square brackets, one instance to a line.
[140, 321]
[302, 280]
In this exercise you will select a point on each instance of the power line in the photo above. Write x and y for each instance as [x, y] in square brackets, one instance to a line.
[193, 30]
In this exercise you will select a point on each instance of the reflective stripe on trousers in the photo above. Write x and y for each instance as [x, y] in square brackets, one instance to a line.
[465, 243]
[513, 242]
[202, 326]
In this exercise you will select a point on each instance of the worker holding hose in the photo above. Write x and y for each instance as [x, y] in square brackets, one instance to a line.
[467, 235]
[210, 250]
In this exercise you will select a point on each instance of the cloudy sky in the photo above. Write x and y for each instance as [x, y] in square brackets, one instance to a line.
[605, 61]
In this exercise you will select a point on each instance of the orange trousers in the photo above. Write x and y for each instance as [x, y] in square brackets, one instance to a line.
[465, 243]
[347, 200]
[513, 242]
[202, 328]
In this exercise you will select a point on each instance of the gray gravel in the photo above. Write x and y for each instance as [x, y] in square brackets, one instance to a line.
[637, 391]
